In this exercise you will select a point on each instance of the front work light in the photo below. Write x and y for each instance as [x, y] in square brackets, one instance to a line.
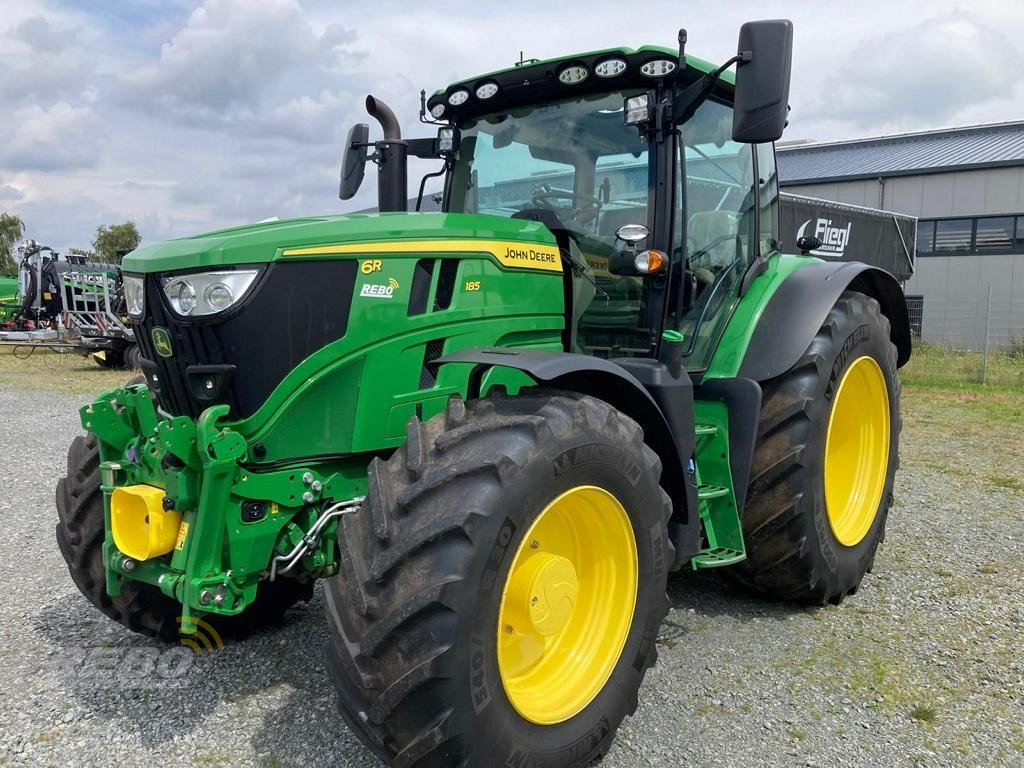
[134, 296]
[658, 67]
[436, 111]
[610, 68]
[573, 74]
[636, 110]
[458, 97]
[206, 293]
[486, 90]
[445, 139]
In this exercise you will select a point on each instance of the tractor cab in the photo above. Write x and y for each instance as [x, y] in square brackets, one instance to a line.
[659, 189]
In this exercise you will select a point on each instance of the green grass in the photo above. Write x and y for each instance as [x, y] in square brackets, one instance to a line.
[933, 366]
[53, 372]
[924, 714]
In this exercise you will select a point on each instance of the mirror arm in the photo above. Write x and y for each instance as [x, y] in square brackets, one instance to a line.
[687, 102]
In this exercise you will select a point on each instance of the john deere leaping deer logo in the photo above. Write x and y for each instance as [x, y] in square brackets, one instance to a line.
[162, 341]
[198, 635]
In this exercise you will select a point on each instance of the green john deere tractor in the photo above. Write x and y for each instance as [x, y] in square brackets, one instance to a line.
[495, 430]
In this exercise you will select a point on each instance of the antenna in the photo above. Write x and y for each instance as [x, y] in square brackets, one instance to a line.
[682, 51]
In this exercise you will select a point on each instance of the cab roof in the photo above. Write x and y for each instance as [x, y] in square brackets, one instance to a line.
[536, 81]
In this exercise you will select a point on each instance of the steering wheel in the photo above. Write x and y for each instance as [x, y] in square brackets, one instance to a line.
[585, 211]
[705, 250]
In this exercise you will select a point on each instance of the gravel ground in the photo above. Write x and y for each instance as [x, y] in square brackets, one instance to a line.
[922, 667]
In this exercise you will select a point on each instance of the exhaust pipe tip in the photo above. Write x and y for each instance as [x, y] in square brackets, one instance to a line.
[383, 114]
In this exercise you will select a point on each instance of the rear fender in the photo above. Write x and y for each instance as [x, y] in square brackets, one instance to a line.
[796, 311]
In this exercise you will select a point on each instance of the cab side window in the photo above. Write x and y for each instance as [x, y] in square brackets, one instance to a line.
[768, 194]
[719, 205]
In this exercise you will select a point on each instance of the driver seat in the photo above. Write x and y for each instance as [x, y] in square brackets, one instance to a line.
[705, 227]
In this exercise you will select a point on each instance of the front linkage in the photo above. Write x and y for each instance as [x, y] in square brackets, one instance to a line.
[184, 513]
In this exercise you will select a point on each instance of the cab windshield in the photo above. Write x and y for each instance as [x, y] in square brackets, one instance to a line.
[576, 159]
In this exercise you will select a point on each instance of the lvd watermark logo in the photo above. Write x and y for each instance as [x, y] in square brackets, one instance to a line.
[133, 667]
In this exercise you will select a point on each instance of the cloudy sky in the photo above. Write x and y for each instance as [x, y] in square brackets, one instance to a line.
[186, 115]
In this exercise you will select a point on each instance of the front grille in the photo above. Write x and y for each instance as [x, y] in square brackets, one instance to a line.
[294, 309]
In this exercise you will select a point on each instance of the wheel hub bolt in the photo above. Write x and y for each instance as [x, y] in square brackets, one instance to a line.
[308, 497]
[307, 478]
[534, 544]
[205, 598]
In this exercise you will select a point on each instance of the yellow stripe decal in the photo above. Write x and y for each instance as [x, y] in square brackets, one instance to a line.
[508, 253]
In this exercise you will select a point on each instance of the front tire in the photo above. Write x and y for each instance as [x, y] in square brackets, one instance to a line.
[826, 457]
[467, 572]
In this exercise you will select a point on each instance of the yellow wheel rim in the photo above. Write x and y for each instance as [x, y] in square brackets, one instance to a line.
[857, 451]
[567, 605]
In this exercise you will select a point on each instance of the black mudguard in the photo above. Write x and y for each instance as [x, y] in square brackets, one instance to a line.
[799, 307]
[662, 405]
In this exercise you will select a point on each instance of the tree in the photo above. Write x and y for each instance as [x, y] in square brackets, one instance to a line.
[113, 242]
[11, 230]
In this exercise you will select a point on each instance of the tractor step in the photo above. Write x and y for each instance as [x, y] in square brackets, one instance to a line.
[705, 430]
[707, 491]
[716, 558]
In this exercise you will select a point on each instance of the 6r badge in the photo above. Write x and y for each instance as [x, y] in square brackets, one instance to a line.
[162, 341]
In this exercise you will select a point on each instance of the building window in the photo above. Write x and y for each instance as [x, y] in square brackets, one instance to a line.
[994, 234]
[978, 235]
[925, 236]
[953, 235]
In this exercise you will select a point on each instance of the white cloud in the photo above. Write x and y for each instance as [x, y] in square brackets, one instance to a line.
[926, 73]
[236, 61]
[208, 113]
[43, 61]
[61, 137]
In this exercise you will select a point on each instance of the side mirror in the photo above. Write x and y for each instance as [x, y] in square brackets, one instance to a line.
[353, 164]
[761, 105]
[808, 243]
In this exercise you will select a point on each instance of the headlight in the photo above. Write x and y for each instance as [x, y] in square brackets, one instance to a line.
[207, 293]
[134, 296]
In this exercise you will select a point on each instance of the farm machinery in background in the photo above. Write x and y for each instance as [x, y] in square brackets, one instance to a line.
[66, 303]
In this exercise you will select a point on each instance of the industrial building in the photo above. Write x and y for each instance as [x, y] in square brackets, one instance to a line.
[966, 186]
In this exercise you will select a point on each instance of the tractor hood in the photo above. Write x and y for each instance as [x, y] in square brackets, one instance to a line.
[265, 242]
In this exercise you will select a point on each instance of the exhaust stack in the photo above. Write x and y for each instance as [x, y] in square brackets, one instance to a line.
[392, 175]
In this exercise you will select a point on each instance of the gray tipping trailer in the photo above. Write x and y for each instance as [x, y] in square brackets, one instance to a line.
[850, 233]
[883, 239]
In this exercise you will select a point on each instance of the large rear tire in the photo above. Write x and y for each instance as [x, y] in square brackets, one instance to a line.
[506, 536]
[826, 456]
[140, 607]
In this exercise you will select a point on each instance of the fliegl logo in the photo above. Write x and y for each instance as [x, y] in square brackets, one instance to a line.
[380, 290]
[833, 239]
[199, 635]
